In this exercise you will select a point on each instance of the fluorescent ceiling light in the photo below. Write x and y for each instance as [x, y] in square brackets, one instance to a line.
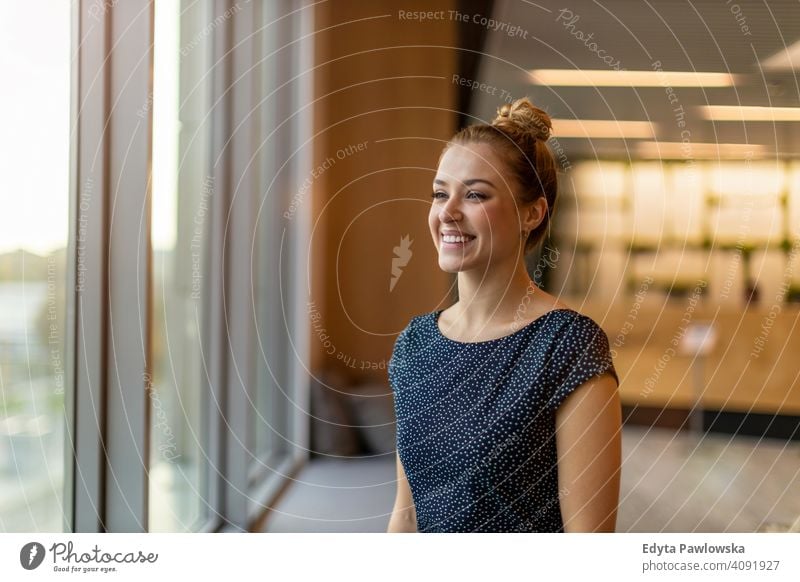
[611, 78]
[655, 150]
[787, 59]
[749, 113]
[602, 128]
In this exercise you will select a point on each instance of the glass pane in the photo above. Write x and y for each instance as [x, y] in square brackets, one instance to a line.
[274, 398]
[34, 210]
[182, 194]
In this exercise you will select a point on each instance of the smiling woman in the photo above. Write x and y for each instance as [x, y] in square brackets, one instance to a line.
[525, 415]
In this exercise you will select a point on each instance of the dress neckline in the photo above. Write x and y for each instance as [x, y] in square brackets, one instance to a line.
[435, 315]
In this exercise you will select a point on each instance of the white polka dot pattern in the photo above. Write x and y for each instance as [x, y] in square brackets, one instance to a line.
[476, 421]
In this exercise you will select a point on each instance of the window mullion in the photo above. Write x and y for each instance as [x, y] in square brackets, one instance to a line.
[85, 403]
[129, 265]
[238, 278]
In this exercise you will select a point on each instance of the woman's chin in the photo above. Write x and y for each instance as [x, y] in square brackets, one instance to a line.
[453, 264]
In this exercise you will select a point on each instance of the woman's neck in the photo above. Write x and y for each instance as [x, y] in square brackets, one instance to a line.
[496, 295]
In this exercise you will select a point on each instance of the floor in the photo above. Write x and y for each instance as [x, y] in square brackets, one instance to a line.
[671, 482]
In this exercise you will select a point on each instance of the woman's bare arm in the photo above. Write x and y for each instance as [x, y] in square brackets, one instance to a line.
[588, 441]
[404, 514]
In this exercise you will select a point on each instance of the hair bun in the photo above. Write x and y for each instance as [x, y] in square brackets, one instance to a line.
[524, 116]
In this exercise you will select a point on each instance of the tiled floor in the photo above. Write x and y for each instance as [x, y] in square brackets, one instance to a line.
[671, 482]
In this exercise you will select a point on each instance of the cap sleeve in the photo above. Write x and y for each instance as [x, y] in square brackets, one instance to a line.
[579, 353]
[399, 356]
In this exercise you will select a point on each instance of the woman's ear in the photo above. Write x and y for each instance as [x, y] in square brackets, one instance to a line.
[535, 213]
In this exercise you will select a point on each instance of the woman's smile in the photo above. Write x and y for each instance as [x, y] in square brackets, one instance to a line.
[456, 241]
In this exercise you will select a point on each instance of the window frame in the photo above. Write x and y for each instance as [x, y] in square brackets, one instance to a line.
[109, 284]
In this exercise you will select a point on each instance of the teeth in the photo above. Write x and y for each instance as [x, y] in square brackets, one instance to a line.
[449, 238]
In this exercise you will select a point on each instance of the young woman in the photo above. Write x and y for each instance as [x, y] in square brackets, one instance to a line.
[508, 416]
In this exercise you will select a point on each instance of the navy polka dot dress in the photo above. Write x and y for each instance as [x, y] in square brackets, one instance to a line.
[476, 420]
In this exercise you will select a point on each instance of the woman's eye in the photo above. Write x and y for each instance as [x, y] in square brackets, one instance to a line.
[471, 194]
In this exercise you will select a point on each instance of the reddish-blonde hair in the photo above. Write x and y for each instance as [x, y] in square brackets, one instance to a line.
[520, 132]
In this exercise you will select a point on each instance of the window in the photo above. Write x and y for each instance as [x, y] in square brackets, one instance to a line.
[272, 347]
[182, 189]
[133, 281]
[33, 261]
[278, 263]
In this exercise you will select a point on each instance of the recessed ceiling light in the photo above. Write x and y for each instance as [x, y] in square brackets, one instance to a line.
[602, 128]
[749, 113]
[654, 150]
[611, 78]
[787, 59]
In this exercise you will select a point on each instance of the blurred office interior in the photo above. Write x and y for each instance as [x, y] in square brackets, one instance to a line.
[214, 225]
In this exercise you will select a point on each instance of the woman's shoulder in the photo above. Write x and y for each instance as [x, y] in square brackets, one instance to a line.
[574, 329]
[578, 322]
[577, 338]
[416, 321]
[413, 327]
[406, 346]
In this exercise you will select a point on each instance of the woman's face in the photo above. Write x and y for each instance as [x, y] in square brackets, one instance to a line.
[473, 197]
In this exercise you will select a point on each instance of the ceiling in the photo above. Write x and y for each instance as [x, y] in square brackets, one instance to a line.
[701, 35]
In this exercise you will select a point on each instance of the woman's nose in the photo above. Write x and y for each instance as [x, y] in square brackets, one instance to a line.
[450, 210]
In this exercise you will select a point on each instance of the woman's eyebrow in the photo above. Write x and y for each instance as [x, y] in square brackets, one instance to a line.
[469, 182]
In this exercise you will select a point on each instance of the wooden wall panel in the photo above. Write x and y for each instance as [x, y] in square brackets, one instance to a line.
[375, 88]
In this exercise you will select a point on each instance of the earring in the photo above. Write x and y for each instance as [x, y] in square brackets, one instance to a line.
[524, 234]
